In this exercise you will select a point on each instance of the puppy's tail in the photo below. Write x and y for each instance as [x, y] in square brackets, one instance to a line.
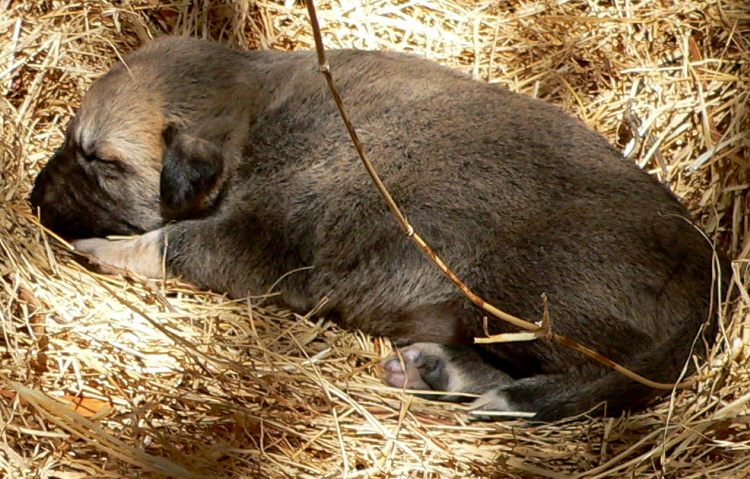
[596, 388]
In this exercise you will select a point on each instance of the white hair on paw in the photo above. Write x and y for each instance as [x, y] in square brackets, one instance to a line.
[140, 254]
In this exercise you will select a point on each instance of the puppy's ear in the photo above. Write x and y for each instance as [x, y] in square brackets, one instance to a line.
[191, 176]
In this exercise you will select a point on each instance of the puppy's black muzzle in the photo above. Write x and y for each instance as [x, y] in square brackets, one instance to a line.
[72, 204]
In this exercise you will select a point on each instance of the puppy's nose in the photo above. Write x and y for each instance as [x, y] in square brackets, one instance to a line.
[46, 192]
[37, 198]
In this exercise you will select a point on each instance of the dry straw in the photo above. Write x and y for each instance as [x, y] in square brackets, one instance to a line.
[115, 377]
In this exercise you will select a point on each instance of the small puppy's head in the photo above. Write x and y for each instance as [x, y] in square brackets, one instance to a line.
[104, 179]
[131, 160]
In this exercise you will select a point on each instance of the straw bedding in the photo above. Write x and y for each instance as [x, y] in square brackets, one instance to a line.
[112, 377]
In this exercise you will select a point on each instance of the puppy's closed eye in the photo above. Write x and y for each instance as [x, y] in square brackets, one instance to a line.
[190, 176]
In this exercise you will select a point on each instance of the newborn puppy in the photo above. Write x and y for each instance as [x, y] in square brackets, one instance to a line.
[239, 170]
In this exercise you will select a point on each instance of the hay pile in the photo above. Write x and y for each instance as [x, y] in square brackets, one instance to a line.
[161, 380]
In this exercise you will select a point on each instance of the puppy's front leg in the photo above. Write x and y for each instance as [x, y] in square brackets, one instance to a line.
[217, 253]
[142, 254]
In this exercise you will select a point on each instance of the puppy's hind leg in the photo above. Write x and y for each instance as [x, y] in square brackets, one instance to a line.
[455, 371]
[442, 368]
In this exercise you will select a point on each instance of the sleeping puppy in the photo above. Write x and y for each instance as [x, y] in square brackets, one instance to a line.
[235, 169]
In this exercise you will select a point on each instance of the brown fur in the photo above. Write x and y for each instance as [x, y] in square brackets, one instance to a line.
[242, 162]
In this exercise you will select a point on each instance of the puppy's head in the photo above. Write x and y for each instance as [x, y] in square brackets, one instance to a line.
[104, 179]
[132, 159]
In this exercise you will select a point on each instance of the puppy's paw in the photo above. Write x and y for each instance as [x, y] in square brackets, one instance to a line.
[408, 374]
[496, 404]
[437, 367]
[140, 254]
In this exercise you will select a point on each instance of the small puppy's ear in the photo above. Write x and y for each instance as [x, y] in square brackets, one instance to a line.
[191, 176]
